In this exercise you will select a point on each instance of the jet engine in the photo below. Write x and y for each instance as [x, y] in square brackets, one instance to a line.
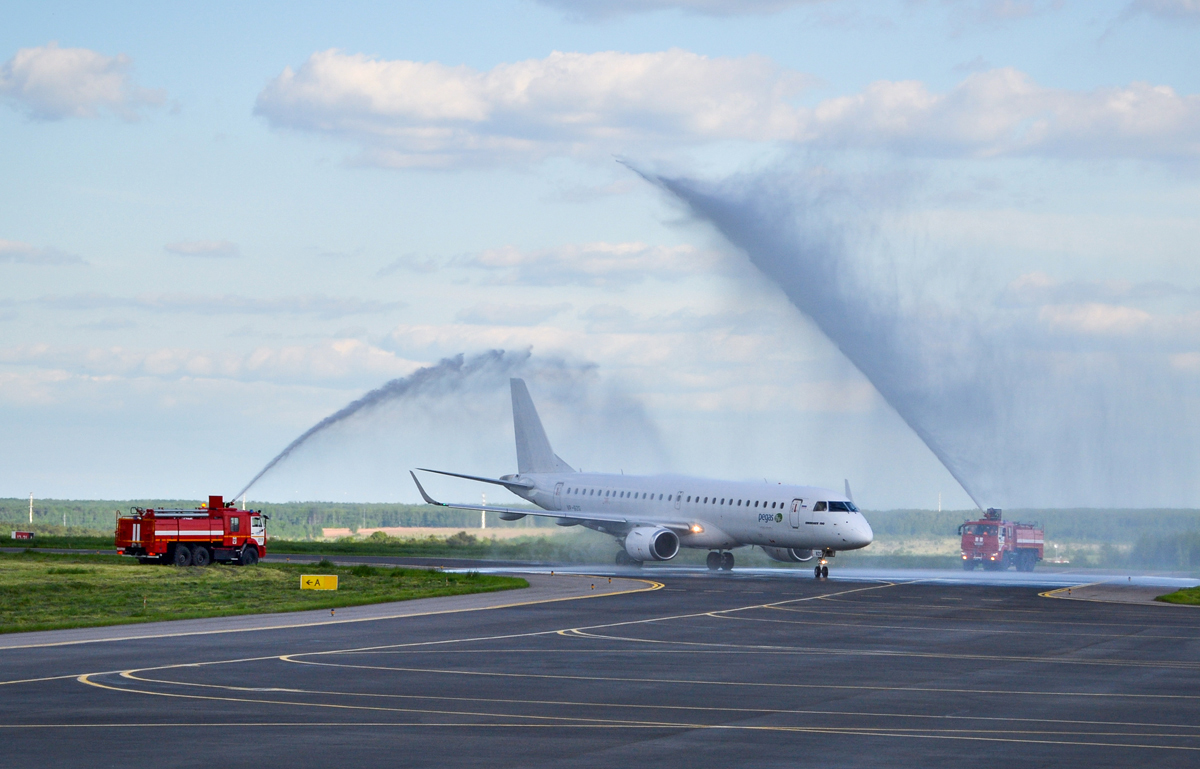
[789, 554]
[647, 543]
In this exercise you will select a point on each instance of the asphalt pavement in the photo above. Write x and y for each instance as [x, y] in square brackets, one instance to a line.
[684, 668]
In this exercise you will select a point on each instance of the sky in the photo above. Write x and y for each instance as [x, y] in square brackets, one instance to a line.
[221, 224]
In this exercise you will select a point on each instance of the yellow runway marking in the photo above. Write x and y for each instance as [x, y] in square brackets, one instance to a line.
[892, 613]
[864, 625]
[49, 678]
[471, 709]
[527, 721]
[748, 684]
[659, 706]
[1068, 588]
[651, 585]
[1068, 597]
[1170, 664]
[837, 731]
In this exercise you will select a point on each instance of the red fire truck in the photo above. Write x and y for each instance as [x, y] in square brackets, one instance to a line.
[195, 537]
[998, 544]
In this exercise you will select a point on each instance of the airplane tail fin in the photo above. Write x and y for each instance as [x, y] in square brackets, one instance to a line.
[849, 494]
[534, 454]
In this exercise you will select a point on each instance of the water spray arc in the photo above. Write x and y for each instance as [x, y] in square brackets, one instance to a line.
[1019, 415]
[440, 376]
[455, 387]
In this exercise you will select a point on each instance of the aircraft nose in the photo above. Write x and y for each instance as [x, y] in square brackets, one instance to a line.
[863, 535]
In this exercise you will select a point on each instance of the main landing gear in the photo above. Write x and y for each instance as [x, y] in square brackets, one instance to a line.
[719, 561]
[624, 559]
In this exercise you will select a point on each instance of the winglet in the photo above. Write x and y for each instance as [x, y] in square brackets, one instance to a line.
[428, 499]
[849, 494]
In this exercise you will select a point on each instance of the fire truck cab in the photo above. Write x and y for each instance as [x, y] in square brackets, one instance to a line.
[193, 537]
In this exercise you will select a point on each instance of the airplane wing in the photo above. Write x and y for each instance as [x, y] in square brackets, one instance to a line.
[579, 516]
[523, 484]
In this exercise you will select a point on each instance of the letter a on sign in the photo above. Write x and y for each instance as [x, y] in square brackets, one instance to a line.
[318, 582]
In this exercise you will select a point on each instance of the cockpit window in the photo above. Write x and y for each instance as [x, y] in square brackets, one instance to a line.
[819, 507]
[842, 507]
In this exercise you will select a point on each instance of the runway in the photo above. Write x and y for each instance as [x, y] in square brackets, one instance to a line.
[701, 669]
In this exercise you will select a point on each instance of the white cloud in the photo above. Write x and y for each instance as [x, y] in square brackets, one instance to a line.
[1095, 318]
[1186, 361]
[52, 83]
[408, 113]
[310, 304]
[1171, 10]
[510, 314]
[592, 264]
[209, 248]
[604, 9]
[1038, 288]
[23, 253]
[1004, 112]
[332, 360]
[973, 11]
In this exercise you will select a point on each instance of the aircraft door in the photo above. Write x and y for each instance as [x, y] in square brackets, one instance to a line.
[678, 499]
[558, 497]
[797, 505]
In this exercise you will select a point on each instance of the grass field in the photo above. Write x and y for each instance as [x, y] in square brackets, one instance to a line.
[1189, 595]
[42, 591]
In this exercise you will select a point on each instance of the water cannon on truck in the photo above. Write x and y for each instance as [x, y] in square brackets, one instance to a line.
[998, 544]
[193, 536]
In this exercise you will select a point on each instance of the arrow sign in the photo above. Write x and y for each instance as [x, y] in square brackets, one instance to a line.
[318, 582]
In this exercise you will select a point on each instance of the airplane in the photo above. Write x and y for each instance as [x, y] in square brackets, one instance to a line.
[652, 517]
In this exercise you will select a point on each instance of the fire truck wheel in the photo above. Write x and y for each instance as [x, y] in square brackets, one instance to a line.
[249, 557]
[183, 555]
[200, 556]
[968, 565]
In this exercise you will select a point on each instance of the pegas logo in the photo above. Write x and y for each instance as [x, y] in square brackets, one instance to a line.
[778, 517]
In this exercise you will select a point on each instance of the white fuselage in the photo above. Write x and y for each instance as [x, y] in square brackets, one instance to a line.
[721, 514]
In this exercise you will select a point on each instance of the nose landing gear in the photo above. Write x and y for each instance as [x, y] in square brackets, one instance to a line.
[821, 571]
